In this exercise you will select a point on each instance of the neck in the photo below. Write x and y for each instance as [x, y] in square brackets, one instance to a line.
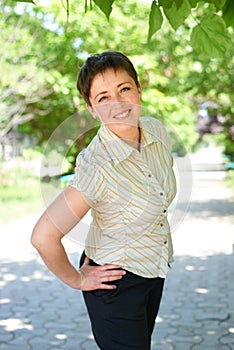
[131, 137]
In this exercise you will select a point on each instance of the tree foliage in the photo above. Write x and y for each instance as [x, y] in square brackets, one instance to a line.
[42, 53]
[209, 34]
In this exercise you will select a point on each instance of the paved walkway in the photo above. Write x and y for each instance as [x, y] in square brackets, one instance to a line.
[37, 312]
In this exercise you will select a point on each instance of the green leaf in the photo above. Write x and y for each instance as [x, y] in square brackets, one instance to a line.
[210, 37]
[155, 20]
[228, 13]
[218, 3]
[105, 6]
[178, 3]
[176, 16]
[193, 3]
[28, 1]
[165, 3]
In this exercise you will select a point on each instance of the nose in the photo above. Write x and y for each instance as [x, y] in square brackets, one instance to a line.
[117, 97]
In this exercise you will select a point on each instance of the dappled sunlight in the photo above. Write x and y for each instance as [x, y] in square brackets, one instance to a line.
[61, 336]
[18, 274]
[196, 303]
[13, 324]
[5, 301]
[9, 277]
[201, 290]
[194, 308]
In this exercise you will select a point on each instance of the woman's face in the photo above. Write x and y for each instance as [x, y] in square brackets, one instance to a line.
[115, 99]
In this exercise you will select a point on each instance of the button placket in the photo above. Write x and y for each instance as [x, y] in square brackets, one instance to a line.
[155, 184]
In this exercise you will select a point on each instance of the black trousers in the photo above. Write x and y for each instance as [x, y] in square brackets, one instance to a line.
[124, 318]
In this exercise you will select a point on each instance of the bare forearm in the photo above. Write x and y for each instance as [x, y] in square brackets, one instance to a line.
[59, 218]
[54, 256]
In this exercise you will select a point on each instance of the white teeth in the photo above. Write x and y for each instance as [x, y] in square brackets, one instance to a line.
[122, 115]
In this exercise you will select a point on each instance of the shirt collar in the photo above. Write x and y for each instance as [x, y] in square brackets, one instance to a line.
[147, 134]
[117, 149]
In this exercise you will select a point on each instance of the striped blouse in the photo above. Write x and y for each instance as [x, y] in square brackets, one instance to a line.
[129, 192]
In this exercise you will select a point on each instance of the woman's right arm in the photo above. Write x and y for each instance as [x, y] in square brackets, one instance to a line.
[59, 218]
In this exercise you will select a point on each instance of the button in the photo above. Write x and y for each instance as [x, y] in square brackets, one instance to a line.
[161, 225]
[161, 194]
[164, 211]
[149, 175]
[165, 242]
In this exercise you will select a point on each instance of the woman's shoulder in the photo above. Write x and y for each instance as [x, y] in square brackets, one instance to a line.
[86, 155]
[151, 121]
[156, 129]
[152, 125]
[93, 155]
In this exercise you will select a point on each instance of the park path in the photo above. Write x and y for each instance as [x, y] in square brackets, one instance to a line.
[38, 312]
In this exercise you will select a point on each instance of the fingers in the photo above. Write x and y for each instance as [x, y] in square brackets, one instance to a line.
[97, 277]
[107, 286]
[111, 275]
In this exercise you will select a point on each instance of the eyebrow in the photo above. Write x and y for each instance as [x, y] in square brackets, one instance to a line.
[119, 85]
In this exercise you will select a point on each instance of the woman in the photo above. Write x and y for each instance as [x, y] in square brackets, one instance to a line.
[125, 176]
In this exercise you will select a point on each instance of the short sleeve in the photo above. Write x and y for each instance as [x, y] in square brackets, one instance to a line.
[88, 180]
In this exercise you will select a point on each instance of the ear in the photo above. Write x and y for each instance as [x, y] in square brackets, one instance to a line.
[139, 90]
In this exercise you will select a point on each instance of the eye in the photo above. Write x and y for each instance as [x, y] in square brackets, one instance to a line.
[102, 99]
[126, 88]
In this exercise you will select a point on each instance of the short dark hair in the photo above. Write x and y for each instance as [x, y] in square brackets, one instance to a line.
[98, 63]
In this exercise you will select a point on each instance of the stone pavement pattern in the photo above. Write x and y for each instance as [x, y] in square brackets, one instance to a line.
[38, 312]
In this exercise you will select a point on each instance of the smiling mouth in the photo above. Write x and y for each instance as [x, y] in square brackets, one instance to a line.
[122, 115]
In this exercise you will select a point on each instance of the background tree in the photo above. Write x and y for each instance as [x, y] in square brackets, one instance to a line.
[209, 33]
[47, 51]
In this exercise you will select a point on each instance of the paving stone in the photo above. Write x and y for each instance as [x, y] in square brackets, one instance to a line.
[6, 336]
[45, 342]
[88, 345]
[227, 339]
[187, 339]
[192, 325]
[18, 344]
[8, 346]
[206, 347]
[211, 326]
[162, 346]
[59, 324]
[20, 311]
[66, 316]
[218, 305]
[6, 314]
[210, 338]
[211, 315]
[164, 328]
[76, 336]
[180, 345]
[196, 312]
